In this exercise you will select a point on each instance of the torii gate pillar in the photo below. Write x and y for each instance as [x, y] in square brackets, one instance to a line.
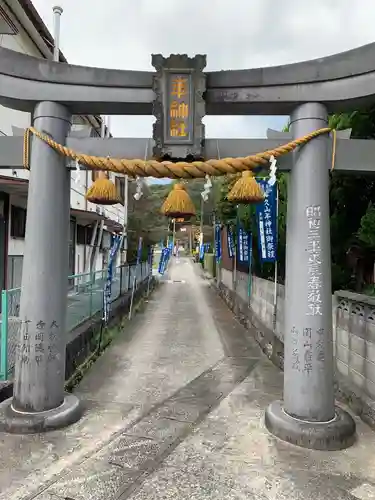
[308, 416]
[39, 403]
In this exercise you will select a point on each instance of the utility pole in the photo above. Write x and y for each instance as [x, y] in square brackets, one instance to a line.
[204, 195]
[201, 224]
[125, 227]
[214, 225]
[174, 236]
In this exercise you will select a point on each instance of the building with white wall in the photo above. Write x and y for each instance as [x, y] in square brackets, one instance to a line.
[22, 30]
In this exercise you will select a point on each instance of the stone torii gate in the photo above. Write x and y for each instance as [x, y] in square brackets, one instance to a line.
[306, 91]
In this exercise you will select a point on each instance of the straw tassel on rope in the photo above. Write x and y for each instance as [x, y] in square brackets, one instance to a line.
[103, 191]
[178, 203]
[246, 190]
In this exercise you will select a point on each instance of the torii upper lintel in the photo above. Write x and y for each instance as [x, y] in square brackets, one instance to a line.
[340, 82]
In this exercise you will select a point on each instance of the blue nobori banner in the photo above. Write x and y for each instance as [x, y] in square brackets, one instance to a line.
[164, 257]
[201, 251]
[150, 258]
[218, 242]
[230, 242]
[116, 241]
[266, 213]
[244, 241]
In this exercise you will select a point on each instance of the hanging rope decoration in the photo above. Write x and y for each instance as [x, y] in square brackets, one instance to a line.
[178, 170]
[178, 203]
[103, 191]
[246, 190]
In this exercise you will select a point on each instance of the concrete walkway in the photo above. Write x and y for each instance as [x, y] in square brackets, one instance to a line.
[174, 410]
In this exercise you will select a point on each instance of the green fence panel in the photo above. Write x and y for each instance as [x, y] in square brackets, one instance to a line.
[10, 326]
[4, 336]
[84, 300]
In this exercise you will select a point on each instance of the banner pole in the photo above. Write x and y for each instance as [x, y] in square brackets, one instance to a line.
[150, 263]
[133, 291]
[250, 277]
[107, 291]
[174, 237]
[276, 262]
[235, 252]
[135, 276]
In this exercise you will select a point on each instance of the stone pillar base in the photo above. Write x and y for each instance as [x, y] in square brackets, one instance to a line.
[336, 434]
[16, 422]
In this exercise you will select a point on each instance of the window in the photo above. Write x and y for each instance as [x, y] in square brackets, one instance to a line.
[81, 235]
[18, 222]
[72, 231]
[84, 235]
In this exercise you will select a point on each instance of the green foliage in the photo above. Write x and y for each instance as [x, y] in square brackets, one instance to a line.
[146, 220]
[362, 123]
[352, 218]
[226, 210]
[144, 217]
[350, 197]
[228, 213]
[366, 232]
[194, 187]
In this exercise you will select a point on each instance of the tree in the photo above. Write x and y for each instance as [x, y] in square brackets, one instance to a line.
[245, 215]
[350, 197]
[366, 232]
[145, 218]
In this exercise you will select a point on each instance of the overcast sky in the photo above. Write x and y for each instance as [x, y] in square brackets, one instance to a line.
[234, 34]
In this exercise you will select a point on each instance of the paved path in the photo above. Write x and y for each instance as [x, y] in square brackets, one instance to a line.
[174, 410]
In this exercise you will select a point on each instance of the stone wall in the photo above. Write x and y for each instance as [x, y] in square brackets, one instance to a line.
[353, 333]
[355, 340]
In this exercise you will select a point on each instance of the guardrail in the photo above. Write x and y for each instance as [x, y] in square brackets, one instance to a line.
[85, 299]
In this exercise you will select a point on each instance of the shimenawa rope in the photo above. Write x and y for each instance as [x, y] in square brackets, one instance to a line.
[178, 170]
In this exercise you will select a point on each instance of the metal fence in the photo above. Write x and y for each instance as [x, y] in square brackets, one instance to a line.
[85, 299]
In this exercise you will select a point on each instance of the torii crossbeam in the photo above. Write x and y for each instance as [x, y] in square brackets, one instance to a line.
[306, 91]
